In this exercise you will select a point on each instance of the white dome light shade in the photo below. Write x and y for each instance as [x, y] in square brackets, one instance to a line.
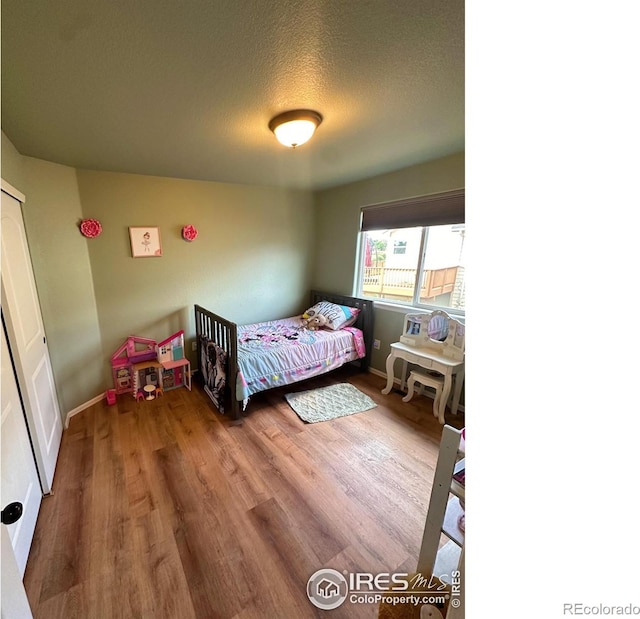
[295, 132]
[295, 127]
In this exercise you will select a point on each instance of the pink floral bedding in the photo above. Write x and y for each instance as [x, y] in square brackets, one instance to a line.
[281, 352]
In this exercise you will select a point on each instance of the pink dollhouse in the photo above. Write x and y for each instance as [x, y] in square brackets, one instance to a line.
[142, 365]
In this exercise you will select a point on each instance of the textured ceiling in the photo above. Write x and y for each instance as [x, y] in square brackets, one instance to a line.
[186, 88]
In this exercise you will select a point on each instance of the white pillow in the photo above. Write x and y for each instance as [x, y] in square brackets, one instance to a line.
[338, 316]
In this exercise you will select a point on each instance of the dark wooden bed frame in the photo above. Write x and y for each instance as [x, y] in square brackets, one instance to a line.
[225, 334]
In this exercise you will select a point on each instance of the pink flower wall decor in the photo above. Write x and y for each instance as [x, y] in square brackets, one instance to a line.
[189, 233]
[90, 228]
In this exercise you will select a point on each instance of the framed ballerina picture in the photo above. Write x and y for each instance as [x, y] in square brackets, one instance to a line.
[145, 242]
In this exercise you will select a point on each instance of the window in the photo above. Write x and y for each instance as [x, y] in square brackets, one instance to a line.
[399, 247]
[416, 265]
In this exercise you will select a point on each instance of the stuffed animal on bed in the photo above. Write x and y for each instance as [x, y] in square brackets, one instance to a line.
[313, 323]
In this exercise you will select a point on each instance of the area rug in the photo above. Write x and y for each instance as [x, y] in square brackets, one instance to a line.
[328, 403]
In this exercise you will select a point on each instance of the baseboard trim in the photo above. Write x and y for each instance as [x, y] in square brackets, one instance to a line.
[82, 407]
[91, 402]
[97, 399]
[396, 381]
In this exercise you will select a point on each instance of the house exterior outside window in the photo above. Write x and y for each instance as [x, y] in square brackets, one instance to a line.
[429, 271]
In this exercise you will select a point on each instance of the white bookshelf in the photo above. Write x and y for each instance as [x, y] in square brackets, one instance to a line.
[446, 561]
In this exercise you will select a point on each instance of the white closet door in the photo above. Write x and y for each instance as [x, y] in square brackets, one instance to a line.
[21, 311]
[19, 476]
[15, 604]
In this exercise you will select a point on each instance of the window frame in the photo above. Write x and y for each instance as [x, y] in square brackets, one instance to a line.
[444, 208]
[396, 305]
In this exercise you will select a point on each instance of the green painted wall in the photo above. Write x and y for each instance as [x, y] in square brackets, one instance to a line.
[251, 260]
[337, 226]
[60, 260]
[258, 252]
[62, 271]
[11, 164]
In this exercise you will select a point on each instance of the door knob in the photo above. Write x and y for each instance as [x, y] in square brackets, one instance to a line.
[12, 513]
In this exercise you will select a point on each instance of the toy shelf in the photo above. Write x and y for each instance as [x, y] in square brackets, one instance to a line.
[446, 506]
[179, 373]
[170, 365]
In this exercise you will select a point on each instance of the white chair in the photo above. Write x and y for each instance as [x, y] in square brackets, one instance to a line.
[428, 380]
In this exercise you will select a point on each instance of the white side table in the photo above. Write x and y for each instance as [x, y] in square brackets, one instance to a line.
[150, 391]
[430, 360]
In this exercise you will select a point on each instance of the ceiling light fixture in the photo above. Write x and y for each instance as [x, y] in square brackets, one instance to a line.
[295, 127]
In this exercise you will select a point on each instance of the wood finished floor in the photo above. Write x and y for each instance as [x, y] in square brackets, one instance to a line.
[166, 510]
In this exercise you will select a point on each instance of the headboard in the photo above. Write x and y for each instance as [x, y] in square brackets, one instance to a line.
[364, 321]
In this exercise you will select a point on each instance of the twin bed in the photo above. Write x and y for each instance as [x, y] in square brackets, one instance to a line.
[237, 361]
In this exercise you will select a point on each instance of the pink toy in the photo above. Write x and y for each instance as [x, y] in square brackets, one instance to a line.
[111, 397]
[141, 361]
